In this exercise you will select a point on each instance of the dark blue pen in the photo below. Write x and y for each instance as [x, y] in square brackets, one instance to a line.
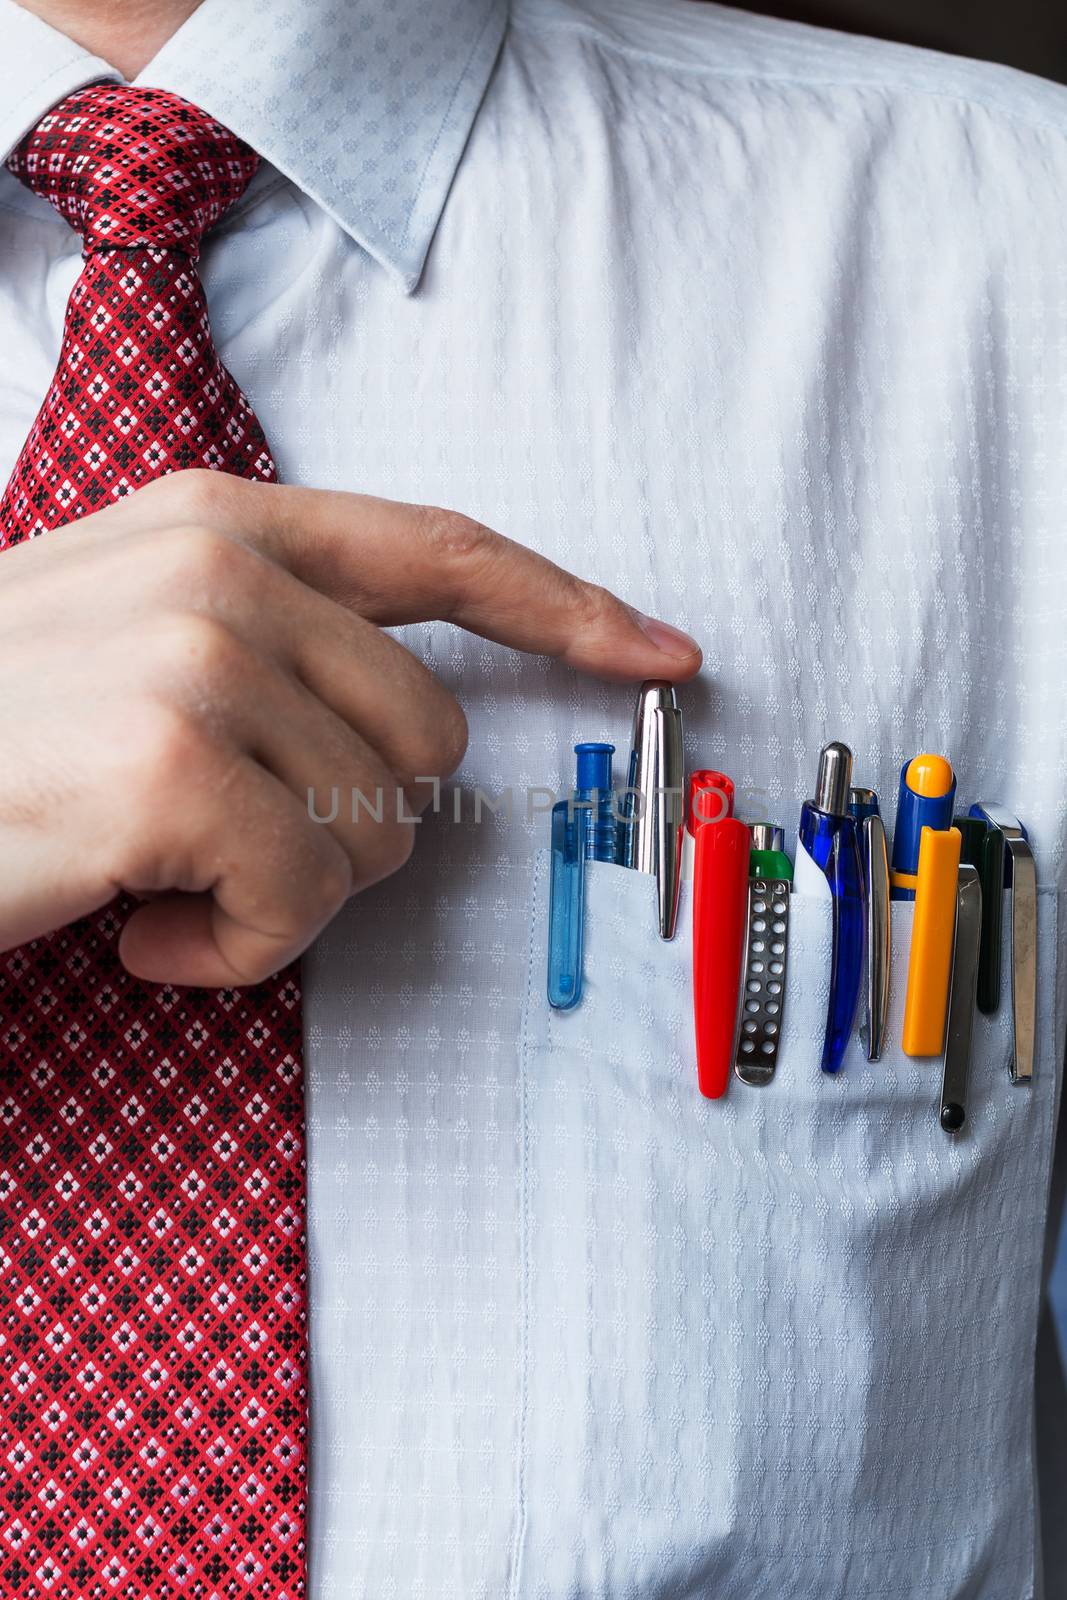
[828, 839]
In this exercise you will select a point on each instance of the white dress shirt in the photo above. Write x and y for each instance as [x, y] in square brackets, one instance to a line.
[766, 329]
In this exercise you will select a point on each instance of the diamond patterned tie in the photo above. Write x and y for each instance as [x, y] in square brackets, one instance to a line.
[152, 1252]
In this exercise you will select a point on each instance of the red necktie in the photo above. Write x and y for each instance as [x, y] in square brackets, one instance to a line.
[152, 1252]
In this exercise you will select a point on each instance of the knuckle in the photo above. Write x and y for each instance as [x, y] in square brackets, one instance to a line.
[195, 494]
[399, 846]
[391, 849]
[200, 559]
[334, 883]
[444, 741]
[453, 538]
[168, 754]
[594, 604]
[191, 649]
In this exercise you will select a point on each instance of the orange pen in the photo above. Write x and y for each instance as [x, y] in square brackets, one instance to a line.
[930, 958]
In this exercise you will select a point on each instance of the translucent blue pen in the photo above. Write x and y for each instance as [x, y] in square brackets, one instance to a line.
[584, 828]
[566, 907]
[592, 793]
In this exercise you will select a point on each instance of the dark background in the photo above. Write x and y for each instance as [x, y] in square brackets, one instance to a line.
[1031, 34]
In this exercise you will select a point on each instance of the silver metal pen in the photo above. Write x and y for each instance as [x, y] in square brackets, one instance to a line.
[653, 812]
[1022, 926]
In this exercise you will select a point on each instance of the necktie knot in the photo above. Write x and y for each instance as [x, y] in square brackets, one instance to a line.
[132, 167]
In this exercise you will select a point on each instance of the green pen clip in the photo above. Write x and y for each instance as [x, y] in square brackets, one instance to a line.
[983, 849]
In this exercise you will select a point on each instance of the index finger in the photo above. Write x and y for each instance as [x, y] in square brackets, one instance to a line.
[395, 563]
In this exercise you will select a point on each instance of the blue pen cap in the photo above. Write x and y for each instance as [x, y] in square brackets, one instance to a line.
[926, 799]
[566, 908]
[862, 803]
[599, 825]
[594, 767]
[976, 811]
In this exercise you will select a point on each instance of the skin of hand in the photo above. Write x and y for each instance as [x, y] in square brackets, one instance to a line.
[184, 666]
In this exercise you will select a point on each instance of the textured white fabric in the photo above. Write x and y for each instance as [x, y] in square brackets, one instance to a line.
[766, 329]
[797, 1314]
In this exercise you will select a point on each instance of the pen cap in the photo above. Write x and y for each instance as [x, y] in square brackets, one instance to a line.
[711, 798]
[835, 775]
[972, 833]
[767, 857]
[1000, 821]
[930, 957]
[720, 916]
[925, 800]
[862, 803]
[655, 770]
[566, 908]
[594, 766]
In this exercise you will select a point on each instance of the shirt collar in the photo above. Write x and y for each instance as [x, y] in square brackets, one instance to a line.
[365, 107]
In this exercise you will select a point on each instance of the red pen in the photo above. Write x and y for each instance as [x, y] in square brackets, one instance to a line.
[710, 798]
[720, 917]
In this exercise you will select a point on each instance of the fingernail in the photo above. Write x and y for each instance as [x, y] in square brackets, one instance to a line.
[672, 641]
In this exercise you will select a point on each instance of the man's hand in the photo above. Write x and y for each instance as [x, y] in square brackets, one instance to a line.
[184, 666]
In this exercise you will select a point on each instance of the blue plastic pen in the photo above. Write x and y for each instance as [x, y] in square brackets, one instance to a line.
[926, 800]
[862, 803]
[593, 794]
[566, 907]
[584, 828]
[828, 838]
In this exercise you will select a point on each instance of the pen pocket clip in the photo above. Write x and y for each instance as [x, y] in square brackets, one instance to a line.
[1021, 875]
[763, 987]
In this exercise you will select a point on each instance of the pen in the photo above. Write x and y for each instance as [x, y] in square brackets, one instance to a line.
[932, 934]
[592, 792]
[927, 791]
[1021, 879]
[767, 857]
[862, 803]
[653, 813]
[566, 907]
[828, 856]
[983, 848]
[964, 994]
[720, 914]
[710, 798]
[863, 806]
[767, 954]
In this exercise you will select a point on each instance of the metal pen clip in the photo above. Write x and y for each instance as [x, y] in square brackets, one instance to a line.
[767, 946]
[1021, 876]
[654, 811]
[963, 999]
[874, 854]
[874, 859]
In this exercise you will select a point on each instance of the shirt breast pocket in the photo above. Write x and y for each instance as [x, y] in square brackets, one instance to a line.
[780, 1343]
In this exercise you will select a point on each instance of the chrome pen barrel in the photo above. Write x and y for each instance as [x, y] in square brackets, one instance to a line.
[653, 810]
